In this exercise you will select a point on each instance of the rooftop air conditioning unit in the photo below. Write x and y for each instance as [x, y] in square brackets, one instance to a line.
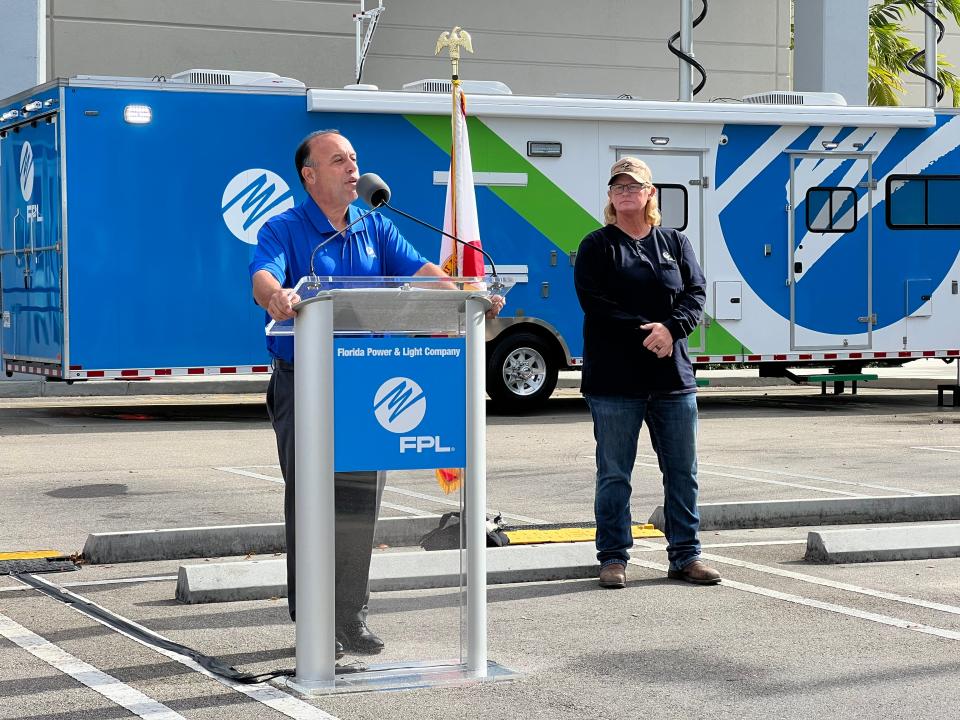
[784, 97]
[474, 87]
[245, 78]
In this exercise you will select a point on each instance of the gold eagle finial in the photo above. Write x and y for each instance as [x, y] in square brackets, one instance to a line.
[454, 40]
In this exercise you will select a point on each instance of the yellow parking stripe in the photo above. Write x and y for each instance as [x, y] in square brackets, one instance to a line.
[30, 555]
[558, 535]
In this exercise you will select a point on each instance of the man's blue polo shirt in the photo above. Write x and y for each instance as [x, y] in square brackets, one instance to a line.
[372, 247]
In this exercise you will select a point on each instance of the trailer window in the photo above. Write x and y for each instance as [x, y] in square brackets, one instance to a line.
[831, 209]
[927, 202]
[673, 205]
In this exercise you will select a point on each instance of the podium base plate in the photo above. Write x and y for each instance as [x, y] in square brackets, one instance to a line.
[400, 676]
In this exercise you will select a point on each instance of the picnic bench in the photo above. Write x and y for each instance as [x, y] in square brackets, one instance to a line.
[839, 381]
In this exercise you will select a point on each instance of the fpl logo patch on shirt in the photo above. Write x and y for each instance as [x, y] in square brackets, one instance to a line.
[250, 199]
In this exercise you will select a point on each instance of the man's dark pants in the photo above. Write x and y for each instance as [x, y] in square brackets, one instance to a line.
[357, 498]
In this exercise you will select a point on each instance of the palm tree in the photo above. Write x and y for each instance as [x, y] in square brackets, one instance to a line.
[890, 51]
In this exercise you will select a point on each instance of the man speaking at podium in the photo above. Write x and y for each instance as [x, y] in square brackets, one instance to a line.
[325, 226]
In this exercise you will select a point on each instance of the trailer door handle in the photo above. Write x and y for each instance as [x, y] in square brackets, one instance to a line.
[797, 268]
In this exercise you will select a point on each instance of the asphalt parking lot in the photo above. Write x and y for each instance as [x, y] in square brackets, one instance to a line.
[779, 637]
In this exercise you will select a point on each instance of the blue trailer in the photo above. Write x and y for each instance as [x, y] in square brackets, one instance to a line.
[129, 210]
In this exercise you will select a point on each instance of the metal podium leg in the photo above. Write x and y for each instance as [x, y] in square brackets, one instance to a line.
[313, 360]
[476, 490]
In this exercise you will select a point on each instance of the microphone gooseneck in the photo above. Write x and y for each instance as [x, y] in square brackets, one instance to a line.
[493, 266]
[376, 193]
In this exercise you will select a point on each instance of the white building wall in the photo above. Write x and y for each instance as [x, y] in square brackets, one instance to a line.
[536, 47]
[539, 47]
[22, 45]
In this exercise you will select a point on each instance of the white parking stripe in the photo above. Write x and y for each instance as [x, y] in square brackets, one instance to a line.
[764, 481]
[455, 503]
[248, 473]
[813, 579]
[851, 612]
[830, 607]
[114, 581]
[407, 509]
[801, 476]
[86, 674]
[886, 488]
[268, 695]
[939, 448]
[403, 508]
[755, 542]
[389, 488]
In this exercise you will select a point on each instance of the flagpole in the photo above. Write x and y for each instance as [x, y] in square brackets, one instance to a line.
[474, 509]
[452, 180]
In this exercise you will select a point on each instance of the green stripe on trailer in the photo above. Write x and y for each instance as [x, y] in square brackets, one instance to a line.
[719, 341]
[544, 204]
[541, 202]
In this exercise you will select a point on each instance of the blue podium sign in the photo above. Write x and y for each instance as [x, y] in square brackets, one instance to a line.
[399, 403]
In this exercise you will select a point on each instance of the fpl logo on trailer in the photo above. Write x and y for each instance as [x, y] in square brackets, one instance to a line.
[399, 406]
[250, 199]
[26, 171]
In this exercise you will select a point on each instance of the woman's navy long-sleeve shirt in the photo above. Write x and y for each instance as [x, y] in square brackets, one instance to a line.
[622, 284]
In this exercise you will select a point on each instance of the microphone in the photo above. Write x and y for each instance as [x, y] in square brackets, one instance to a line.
[373, 190]
[376, 193]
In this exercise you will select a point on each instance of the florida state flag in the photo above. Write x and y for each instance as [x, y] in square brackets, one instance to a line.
[460, 220]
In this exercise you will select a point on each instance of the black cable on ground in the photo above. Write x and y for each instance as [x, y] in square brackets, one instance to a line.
[911, 63]
[217, 667]
[686, 58]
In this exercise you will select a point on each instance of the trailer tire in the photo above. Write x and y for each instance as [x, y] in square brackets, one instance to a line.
[521, 372]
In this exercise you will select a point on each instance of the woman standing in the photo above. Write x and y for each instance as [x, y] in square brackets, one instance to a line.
[642, 292]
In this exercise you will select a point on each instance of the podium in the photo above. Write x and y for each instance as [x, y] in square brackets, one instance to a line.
[390, 375]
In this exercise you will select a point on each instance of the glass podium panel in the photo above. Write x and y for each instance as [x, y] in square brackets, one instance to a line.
[417, 600]
[399, 370]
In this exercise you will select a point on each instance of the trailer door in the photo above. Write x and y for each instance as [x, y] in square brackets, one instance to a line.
[830, 250]
[678, 175]
[31, 316]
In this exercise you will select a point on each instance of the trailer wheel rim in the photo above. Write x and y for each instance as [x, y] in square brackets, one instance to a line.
[524, 371]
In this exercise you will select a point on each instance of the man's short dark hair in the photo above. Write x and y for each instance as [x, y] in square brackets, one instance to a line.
[302, 156]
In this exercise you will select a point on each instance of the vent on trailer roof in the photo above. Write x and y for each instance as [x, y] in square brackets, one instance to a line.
[782, 97]
[471, 87]
[234, 77]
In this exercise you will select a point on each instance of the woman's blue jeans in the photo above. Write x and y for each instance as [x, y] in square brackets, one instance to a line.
[672, 422]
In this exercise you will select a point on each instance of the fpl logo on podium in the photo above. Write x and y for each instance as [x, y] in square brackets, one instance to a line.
[400, 406]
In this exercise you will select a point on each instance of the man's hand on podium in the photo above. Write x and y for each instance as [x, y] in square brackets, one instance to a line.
[498, 302]
[281, 304]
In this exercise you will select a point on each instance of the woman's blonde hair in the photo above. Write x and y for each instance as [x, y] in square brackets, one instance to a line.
[637, 170]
